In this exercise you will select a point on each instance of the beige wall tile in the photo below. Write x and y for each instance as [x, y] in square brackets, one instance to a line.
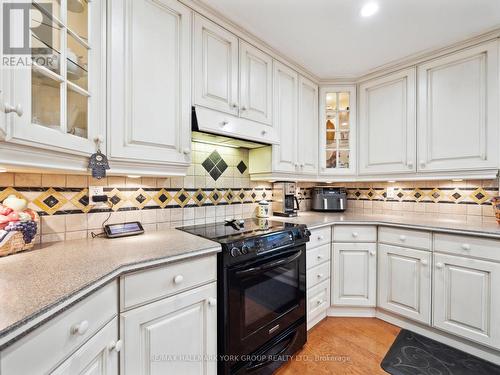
[474, 210]
[163, 182]
[76, 222]
[53, 180]
[75, 181]
[96, 182]
[6, 179]
[77, 235]
[28, 179]
[487, 211]
[53, 237]
[116, 181]
[132, 182]
[149, 216]
[53, 224]
[148, 182]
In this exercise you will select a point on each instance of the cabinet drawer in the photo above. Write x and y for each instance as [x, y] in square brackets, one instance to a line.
[415, 239]
[143, 286]
[318, 274]
[319, 237]
[354, 233]
[468, 246]
[317, 256]
[44, 348]
[318, 299]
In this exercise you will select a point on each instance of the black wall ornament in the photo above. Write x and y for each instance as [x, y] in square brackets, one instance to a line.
[98, 162]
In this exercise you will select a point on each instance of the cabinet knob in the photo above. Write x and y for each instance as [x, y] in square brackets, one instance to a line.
[355, 234]
[319, 275]
[321, 237]
[301, 165]
[80, 328]
[422, 164]
[18, 110]
[296, 164]
[178, 279]
[466, 247]
[186, 151]
[402, 238]
[224, 123]
[263, 132]
[234, 105]
[115, 346]
[212, 302]
[320, 257]
[424, 262]
[243, 108]
[410, 164]
[319, 302]
[373, 253]
[440, 265]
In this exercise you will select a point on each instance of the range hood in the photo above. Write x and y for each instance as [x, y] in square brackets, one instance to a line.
[212, 127]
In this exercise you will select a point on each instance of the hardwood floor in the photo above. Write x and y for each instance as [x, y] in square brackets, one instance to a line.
[343, 346]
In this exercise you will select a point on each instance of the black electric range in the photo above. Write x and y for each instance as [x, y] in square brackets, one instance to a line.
[261, 292]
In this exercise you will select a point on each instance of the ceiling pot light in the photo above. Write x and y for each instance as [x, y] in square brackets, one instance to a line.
[133, 176]
[369, 9]
[457, 179]
[3, 170]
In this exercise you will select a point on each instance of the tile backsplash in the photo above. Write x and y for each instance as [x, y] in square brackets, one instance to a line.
[217, 187]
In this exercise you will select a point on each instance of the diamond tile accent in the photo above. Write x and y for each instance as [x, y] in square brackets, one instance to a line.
[182, 197]
[480, 196]
[242, 167]
[435, 195]
[215, 157]
[229, 196]
[215, 196]
[50, 201]
[215, 173]
[418, 194]
[139, 198]
[240, 196]
[162, 198]
[116, 199]
[208, 164]
[372, 194]
[214, 165]
[199, 197]
[81, 201]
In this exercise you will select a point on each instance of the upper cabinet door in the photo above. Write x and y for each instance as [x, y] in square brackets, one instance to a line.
[285, 118]
[387, 118]
[458, 111]
[150, 81]
[58, 102]
[337, 130]
[307, 128]
[256, 84]
[215, 67]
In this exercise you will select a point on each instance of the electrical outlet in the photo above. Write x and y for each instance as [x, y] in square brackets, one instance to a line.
[96, 191]
[391, 192]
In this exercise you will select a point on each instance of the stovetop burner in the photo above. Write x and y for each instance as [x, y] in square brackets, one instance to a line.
[224, 232]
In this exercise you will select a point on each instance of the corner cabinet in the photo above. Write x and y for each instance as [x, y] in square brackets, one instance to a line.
[150, 86]
[387, 120]
[458, 110]
[337, 130]
[57, 104]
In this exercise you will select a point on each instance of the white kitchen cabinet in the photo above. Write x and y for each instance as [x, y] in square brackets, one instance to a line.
[98, 356]
[150, 85]
[467, 298]
[307, 127]
[176, 335]
[215, 67]
[458, 110]
[256, 84]
[285, 155]
[354, 274]
[387, 121]
[57, 104]
[404, 282]
[337, 130]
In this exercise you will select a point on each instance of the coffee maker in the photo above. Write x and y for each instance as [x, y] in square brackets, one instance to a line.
[285, 203]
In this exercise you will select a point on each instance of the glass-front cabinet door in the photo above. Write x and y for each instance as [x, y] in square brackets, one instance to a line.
[60, 90]
[337, 130]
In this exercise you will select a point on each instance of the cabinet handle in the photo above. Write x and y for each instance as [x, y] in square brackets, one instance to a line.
[440, 265]
[319, 302]
[410, 164]
[186, 151]
[212, 302]
[224, 123]
[320, 257]
[264, 132]
[115, 346]
[301, 165]
[234, 105]
[355, 234]
[243, 108]
[18, 110]
[373, 253]
[80, 328]
[178, 279]
[321, 237]
[422, 164]
[424, 262]
[319, 275]
[402, 238]
[296, 164]
[466, 247]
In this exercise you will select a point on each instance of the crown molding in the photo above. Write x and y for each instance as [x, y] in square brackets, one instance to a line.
[217, 17]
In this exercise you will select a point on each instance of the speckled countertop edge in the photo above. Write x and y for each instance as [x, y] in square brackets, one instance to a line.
[15, 331]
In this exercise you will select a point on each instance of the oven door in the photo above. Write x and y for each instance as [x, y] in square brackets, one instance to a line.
[266, 297]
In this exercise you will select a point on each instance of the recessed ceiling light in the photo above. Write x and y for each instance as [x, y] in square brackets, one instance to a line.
[457, 179]
[369, 9]
[133, 176]
[2, 170]
[391, 181]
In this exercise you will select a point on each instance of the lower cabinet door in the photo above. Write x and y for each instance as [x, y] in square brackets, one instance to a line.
[467, 298]
[98, 356]
[404, 282]
[176, 335]
[354, 279]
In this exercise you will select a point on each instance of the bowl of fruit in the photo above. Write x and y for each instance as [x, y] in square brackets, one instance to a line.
[18, 226]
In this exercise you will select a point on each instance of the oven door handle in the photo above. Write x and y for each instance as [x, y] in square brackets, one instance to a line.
[268, 266]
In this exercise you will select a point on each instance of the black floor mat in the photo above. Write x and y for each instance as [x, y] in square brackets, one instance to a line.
[413, 354]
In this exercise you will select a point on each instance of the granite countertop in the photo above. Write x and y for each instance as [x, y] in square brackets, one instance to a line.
[33, 283]
[411, 221]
